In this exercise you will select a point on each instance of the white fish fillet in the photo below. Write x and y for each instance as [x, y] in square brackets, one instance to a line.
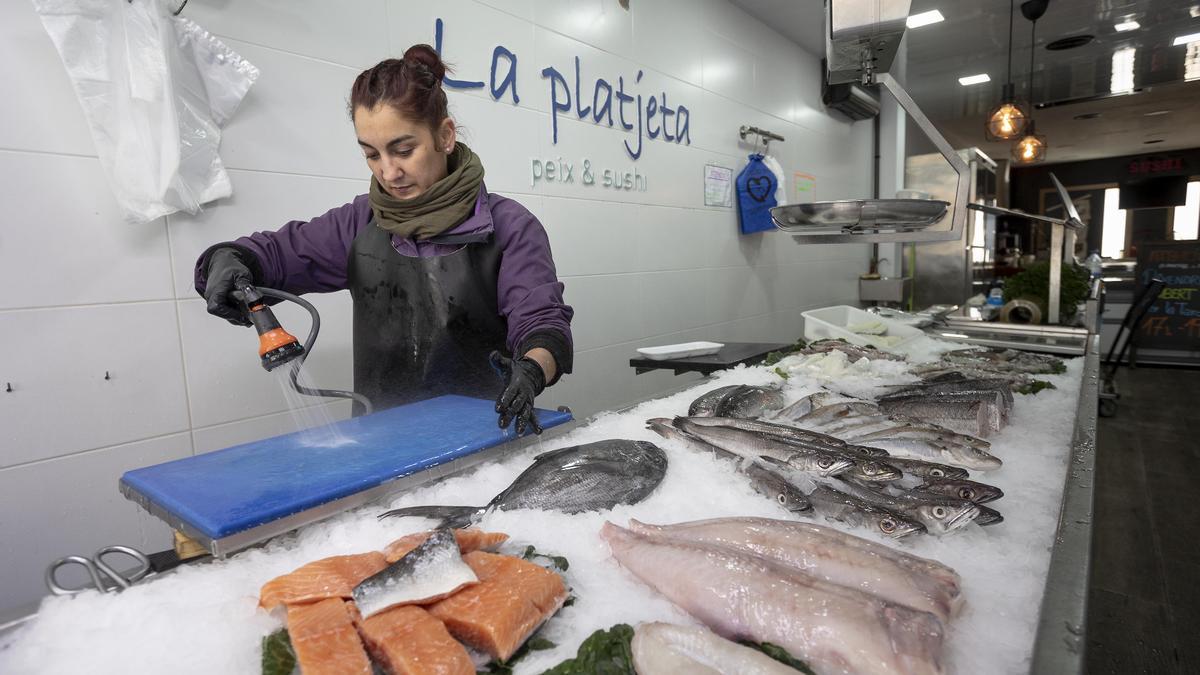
[836, 630]
[830, 555]
[667, 649]
[430, 572]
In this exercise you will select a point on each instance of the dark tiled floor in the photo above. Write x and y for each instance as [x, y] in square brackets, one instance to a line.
[1144, 604]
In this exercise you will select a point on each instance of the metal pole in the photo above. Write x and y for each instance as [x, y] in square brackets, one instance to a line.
[1056, 258]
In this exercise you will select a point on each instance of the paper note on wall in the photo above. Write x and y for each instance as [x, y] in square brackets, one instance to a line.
[718, 186]
[806, 187]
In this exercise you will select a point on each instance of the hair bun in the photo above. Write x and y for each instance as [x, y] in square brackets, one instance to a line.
[426, 56]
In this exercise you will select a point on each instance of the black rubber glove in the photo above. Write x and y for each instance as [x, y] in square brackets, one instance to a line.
[523, 381]
[226, 271]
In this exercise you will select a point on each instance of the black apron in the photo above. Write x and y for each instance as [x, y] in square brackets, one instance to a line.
[424, 327]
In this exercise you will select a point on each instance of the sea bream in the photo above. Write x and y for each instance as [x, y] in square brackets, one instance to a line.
[835, 629]
[667, 649]
[575, 479]
[739, 400]
[830, 555]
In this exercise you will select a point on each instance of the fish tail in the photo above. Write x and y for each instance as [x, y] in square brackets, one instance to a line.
[449, 516]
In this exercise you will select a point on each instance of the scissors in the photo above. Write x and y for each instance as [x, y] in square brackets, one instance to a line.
[104, 577]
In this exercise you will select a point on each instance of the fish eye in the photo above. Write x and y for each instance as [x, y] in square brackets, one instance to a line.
[936, 473]
[782, 498]
[966, 493]
[939, 512]
[824, 462]
[887, 525]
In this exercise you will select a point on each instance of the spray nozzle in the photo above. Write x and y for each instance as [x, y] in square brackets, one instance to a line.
[276, 346]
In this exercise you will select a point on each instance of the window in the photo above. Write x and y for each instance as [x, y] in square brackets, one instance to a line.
[1112, 242]
[1187, 217]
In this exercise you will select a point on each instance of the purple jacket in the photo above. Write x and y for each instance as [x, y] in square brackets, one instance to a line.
[312, 256]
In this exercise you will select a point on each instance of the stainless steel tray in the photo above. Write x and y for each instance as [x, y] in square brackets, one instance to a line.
[859, 215]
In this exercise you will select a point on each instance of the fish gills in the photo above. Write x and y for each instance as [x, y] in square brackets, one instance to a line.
[666, 649]
[469, 539]
[513, 597]
[833, 628]
[324, 638]
[333, 577]
[409, 641]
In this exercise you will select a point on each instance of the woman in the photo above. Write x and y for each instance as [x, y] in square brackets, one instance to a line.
[444, 275]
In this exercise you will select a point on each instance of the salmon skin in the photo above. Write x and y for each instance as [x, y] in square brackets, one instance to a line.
[512, 599]
[333, 577]
[325, 640]
[469, 539]
[575, 479]
[409, 640]
[430, 572]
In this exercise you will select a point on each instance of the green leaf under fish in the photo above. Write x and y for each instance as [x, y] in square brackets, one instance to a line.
[605, 652]
[278, 657]
[1034, 387]
[777, 356]
[533, 644]
[782, 373]
[779, 654]
[558, 562]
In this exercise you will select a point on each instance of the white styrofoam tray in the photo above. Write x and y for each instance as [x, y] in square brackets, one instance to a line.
[680, 351]
[832, 322]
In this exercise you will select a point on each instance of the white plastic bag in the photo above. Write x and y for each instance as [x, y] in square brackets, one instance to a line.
[156, 90]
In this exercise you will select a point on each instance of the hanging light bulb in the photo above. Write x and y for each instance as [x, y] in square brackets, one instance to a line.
[1031, 149]
[1007, 119]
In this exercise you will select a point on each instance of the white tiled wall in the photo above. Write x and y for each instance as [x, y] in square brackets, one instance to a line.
[83, 294]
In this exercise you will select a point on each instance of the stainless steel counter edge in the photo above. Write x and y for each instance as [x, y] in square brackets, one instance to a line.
[1061, 642]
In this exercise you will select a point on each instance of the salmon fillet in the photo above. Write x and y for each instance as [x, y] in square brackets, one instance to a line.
[470, 539]
[513, 597]
[325, 640]
[408, 641]
[332, 577]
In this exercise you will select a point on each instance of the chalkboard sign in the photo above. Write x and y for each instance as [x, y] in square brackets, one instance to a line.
[1174, 321]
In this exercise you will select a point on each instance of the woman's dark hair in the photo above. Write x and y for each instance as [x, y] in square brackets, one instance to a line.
[412, 85]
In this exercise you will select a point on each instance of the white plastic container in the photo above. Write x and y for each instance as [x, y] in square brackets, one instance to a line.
[834, 322]
[680, 351]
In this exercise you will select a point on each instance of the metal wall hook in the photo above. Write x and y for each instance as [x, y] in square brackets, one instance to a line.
[764, 136]
[8, 387]
[107, 376]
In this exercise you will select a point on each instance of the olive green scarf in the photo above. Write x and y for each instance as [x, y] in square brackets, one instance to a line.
[445, 205]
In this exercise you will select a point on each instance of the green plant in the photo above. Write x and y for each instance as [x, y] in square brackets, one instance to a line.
[1033, 284]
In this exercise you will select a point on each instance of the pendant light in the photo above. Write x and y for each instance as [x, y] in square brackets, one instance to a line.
[1031, 149]
[1007, 120]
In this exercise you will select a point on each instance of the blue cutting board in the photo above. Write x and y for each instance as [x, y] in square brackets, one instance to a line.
[227, 491]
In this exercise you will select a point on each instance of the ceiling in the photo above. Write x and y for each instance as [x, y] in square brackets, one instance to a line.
[1066, 84]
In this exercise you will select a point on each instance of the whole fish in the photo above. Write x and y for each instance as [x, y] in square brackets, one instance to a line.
[989, 397]
[843, 508]
[940, 515]
[979, 417]
[667, 649]
[753, 446]
[833, 628]
[947, 453]
[706, 404]
[980, 493]
[829, 555]
[874, 471]
[578, 478]
[803, 406]
[855, 352]
[922, 469]
[792, 434]
[926, 431]
[739, 400]
[826, 415]
[751, 401]
[764, 481]
[957, 386]
[432, 571]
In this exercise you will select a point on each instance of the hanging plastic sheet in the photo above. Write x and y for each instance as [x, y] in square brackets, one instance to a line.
[756, 186]
[156, 90]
